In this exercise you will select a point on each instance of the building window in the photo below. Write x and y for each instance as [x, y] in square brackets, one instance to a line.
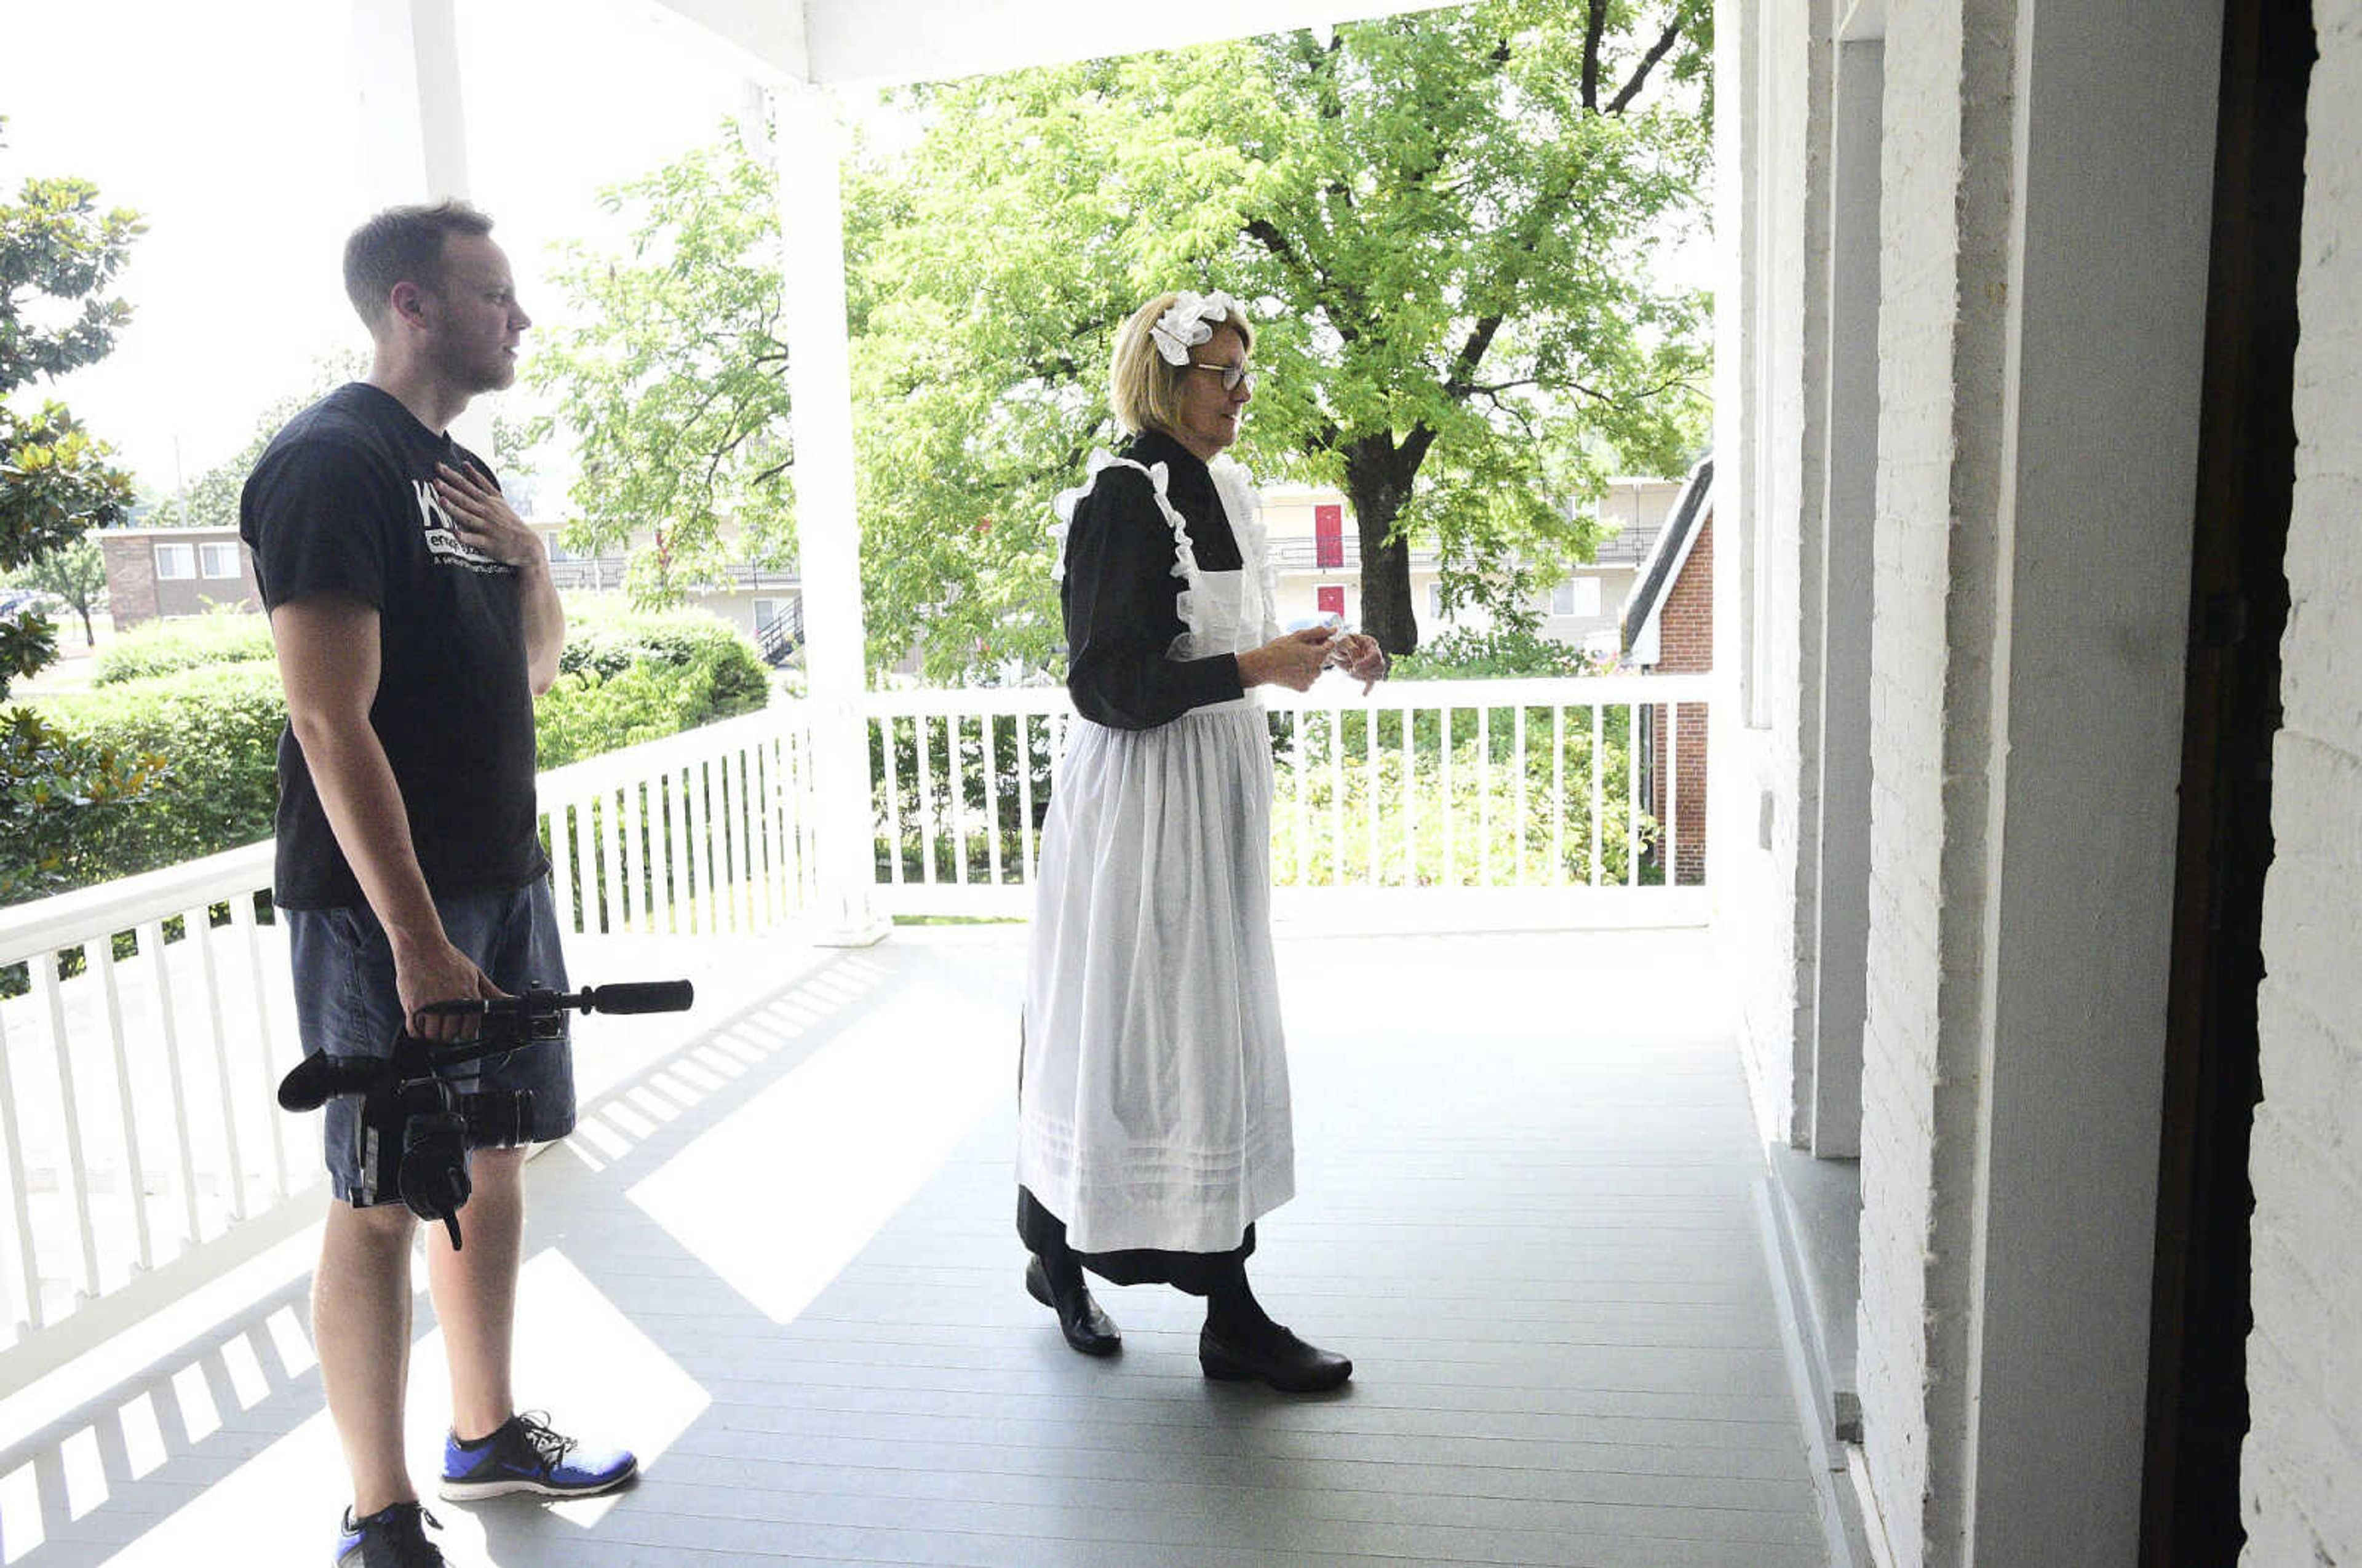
[1329, 599]
[1328, 537]
[1435, 602]
[217, 558]
[1576, 596]
[175, 563]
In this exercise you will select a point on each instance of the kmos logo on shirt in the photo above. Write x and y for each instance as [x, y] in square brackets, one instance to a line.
[443, 541]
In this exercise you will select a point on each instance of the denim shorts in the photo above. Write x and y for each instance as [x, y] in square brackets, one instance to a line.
[345, 1004]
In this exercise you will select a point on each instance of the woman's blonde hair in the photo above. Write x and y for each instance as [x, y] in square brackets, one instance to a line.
[1143, 387]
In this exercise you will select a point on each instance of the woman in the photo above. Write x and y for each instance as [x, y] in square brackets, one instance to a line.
[1154, 1124]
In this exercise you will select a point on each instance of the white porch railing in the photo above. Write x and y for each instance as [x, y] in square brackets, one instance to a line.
[137, 1060]
[704, 831]
[1428, 802]
[141, 1148]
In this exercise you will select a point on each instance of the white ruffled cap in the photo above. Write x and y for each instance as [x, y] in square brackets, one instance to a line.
[1189, 322]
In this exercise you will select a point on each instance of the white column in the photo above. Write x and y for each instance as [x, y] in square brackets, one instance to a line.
[413, 126]
[1842, 906]
[2110, 223]
[828, 530]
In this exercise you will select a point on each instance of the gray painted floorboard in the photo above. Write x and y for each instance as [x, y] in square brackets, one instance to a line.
[779, 1260]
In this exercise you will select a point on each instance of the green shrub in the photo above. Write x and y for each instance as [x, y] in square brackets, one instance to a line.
[1503, 654]
[193, 642]
[217, 730]
[1526, 817]
[605, 635]
[585, 713]
[737, 680]
[216, 718]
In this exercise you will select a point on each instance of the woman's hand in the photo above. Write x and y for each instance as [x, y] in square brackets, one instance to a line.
[1358, 656]
[1294, 661]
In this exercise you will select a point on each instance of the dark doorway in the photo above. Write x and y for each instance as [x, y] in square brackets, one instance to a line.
[2198, 1380]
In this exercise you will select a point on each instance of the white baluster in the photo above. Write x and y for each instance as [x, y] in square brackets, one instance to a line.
[925, 810]
[167, 1018]
[991, 799]
[1558, 794]
[199, 932]
[24, 1252]
[102, 952]
[1599, 799]
[249, 934]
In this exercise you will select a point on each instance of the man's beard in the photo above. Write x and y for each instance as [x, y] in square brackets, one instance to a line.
[475, 376]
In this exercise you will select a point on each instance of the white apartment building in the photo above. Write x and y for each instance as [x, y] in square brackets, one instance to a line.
[1319, 552]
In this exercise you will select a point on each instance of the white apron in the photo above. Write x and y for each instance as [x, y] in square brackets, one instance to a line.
[1154, 1109]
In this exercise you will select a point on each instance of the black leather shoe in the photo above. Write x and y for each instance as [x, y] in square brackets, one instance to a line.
[1086, 1328]
[1282, 1360]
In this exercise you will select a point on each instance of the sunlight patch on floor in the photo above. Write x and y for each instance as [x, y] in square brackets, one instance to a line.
[601, 1378]
[577, 1354]
[20, 1506]
[862, 1123]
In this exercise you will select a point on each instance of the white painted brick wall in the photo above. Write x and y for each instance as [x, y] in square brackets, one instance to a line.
[1920, 175]
[1755, 885]
[2301, 1476]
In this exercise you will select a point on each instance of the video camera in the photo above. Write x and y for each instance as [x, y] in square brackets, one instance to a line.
[415, 1126]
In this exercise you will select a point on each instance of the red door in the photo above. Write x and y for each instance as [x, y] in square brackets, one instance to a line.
[1329, 539]
[1329, 599]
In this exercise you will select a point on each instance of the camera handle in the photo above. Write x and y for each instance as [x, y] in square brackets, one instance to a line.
[624, 995]
[433, 1184]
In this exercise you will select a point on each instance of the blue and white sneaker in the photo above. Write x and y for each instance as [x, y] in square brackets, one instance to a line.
[526, 1455]
[393, 1537]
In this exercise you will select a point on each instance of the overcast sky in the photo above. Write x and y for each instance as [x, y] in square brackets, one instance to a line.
[231, 126]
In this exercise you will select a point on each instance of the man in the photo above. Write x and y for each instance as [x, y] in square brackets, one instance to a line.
[415, 622]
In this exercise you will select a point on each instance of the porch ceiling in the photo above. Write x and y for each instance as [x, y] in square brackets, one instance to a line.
[845, 42]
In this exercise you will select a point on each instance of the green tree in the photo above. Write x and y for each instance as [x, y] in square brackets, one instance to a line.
[675, 386]
[212, 501]
[59, 254]
[75, 573]
[1444, 222]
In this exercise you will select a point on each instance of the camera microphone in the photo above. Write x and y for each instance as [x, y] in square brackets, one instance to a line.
[317, 1080]
[639, 996]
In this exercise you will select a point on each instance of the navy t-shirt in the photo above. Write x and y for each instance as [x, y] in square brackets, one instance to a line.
[343, 502]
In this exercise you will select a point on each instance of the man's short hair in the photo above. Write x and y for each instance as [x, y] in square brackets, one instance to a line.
[1144, 390]
[402, 245]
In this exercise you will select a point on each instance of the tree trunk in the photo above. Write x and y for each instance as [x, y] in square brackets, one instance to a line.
[1377, 488]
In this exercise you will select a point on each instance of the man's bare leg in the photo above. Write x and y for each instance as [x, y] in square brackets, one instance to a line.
[360, 1323]
[475, 1291]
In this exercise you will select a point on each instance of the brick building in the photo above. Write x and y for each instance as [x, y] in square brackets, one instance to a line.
[158, 573]
[1668, 629]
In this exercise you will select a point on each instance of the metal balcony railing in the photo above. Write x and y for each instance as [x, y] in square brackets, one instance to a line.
[605, 574]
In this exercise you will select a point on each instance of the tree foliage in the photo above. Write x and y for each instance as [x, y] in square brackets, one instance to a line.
[1445, 233]
[675, 385]
[212, 501]
[58, 256]
[76, 573]
[1445, 224]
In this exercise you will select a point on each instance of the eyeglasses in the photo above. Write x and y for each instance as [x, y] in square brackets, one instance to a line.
[1233, 376]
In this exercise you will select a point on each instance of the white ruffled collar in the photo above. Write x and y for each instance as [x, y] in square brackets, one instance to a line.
[1233, 488]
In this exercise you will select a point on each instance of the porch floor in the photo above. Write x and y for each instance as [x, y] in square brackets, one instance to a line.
[777, 1260]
